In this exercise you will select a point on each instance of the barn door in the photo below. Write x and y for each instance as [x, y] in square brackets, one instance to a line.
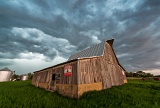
[55, 80]
[52, 83]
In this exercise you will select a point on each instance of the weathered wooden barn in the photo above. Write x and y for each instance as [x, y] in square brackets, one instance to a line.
[94, 68]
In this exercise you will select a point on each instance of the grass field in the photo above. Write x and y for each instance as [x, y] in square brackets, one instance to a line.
[134, 94]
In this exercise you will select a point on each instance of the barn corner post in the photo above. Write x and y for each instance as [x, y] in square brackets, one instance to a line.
[124, 76]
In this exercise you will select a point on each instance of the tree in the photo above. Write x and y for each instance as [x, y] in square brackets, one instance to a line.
[15, 76]
[129, 74]
[30, 75]
[138, 74]
[149, 75]
[141, 74]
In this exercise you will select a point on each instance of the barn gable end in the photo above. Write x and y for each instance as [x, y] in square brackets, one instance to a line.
[112, 69]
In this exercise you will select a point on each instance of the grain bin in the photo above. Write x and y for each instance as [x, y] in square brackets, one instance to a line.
[5, 74]
[24, 77]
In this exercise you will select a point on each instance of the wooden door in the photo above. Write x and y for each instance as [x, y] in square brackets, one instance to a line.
[52, 83]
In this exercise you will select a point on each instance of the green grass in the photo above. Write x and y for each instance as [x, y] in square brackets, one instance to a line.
[134, 94]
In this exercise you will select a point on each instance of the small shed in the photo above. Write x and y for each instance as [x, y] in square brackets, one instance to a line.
[94, 68]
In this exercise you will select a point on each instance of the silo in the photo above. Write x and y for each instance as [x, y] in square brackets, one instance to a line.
[5, 74]
[24, 77]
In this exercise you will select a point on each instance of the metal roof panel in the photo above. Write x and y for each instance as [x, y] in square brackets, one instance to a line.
[96, 50]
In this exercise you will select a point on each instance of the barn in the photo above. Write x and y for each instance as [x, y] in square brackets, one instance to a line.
[94, 68]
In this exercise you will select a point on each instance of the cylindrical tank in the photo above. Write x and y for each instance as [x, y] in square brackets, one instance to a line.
[24, 77]
[5, 74]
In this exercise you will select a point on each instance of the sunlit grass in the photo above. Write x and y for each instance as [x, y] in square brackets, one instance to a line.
[134, 94]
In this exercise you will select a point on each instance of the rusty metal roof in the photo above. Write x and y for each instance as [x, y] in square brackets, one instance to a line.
[96, 50]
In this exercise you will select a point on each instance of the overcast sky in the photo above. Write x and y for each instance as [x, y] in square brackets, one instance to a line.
[35, 34]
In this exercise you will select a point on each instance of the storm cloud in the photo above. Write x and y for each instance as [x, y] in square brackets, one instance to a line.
[46, 32]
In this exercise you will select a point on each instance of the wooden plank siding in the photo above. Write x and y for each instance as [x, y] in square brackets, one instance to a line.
[89, 70]
[67, 79]
[41, 77]
[103, 69]
[113, 70]
[46, 75]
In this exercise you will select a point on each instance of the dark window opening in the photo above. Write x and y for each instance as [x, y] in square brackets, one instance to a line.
[53, 76]
[56, 78]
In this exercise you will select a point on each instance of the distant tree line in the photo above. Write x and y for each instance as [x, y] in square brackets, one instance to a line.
[138, 74]
[15, 76]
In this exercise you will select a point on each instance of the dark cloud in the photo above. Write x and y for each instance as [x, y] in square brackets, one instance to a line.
[5, 61]
[61, 28]
[33, 40]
